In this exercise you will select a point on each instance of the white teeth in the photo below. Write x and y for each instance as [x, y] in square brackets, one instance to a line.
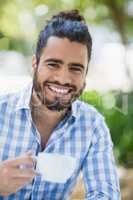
[57, 90]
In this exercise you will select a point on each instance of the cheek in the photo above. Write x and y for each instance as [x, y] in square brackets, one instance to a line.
[80, 83]
[42, 76]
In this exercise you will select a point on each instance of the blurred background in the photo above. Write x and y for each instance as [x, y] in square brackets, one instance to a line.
[110, 78]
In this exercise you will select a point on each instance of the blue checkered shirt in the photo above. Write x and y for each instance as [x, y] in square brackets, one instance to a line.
[83, 135]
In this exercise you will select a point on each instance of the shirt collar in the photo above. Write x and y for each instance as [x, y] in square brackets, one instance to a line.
[25, 97]
[75, 109]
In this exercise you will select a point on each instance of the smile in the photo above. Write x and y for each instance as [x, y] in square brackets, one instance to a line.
[60, 91]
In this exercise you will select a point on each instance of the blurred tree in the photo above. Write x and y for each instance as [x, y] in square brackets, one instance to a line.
[119, 13]
[115, 11]
[17, 17]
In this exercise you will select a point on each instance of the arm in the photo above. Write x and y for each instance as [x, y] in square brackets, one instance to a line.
[99, 169]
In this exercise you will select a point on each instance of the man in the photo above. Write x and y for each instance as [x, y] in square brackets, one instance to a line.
[46, 117]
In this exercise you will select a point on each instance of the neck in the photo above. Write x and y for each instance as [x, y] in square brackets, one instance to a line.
[41, 112]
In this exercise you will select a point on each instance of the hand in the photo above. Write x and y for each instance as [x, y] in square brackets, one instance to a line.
[16, 173]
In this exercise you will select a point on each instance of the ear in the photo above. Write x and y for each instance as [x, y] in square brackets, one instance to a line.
[34, 63]
[84, 85]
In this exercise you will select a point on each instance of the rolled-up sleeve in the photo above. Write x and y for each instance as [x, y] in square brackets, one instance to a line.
[99, 168]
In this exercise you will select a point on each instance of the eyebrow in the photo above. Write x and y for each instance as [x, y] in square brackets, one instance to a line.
[61, 62]
[54, 60]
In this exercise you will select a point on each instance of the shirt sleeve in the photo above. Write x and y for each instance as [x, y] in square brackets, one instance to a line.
[99, 168]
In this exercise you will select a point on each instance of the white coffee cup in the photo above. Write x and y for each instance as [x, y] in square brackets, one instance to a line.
[55, 168]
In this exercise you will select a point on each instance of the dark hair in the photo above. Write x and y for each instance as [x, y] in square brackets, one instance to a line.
[69, 24]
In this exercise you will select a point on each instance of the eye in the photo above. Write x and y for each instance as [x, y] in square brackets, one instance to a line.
[76, 69]
[52, 65]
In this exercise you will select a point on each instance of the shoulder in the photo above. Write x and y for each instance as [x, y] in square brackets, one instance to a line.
[87, 110]
[8, 100]
[17, 100]
[92, 119]
[96, 122]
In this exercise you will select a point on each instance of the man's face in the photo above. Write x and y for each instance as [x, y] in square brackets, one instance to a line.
[59, 78]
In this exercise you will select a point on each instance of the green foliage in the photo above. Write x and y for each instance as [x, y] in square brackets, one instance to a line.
[119, 122]
[19, 21]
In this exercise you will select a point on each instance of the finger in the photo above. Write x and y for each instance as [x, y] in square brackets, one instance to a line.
[22, 160]
[20, 182]
[23, 173]
[16, 185]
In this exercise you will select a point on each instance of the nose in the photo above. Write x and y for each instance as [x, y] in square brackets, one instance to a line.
[63, 76]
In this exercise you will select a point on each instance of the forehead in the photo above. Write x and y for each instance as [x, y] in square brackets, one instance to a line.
[63, 48]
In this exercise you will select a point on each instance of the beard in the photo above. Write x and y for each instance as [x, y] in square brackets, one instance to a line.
[58, 103]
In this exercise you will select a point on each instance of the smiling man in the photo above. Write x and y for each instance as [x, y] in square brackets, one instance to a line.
[47, 117]
[60, 75]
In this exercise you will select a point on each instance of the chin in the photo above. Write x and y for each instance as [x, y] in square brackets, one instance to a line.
[57, 105]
